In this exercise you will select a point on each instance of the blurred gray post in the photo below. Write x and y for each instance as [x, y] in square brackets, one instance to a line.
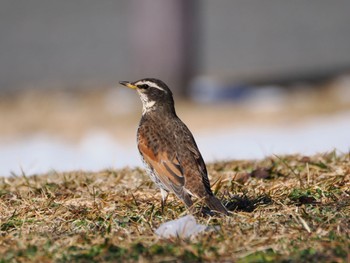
[160, 38]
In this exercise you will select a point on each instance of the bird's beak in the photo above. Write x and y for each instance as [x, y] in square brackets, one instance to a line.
[127, 84]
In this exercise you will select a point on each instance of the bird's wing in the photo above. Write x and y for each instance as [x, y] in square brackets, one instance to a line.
[192, 147]
[167, 169]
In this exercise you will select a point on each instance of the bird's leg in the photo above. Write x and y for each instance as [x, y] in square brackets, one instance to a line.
[189, 203]
[164, 198]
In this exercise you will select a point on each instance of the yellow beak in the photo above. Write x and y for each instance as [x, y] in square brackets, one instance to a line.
[127, 84]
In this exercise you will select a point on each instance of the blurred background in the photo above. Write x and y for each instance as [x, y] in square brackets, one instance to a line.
[250, 78]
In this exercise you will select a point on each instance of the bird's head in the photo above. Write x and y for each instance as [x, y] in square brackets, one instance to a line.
[154, 94]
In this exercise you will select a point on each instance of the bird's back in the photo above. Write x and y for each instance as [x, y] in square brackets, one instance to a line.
[171, 135]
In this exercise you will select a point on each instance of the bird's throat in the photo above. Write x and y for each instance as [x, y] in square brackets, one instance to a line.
[147, 106]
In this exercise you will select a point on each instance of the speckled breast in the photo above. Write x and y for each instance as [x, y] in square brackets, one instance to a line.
[153, 175]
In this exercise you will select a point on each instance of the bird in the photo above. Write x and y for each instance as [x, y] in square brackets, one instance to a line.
[168, 149]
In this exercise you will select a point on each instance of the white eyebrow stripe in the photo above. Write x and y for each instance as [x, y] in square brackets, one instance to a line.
[149, 83]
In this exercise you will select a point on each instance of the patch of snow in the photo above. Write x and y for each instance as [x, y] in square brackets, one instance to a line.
[254, 142]
[99, 150]
[184, 227]
[41, 153]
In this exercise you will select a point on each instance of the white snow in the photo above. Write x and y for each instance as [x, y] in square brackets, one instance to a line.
[254, 142]
[41, 153]
[184, 227]
[99, 150]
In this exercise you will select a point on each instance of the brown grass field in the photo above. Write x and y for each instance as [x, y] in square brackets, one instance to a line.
[284, 209]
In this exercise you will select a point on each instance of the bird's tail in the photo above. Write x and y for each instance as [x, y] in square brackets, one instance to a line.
[215, 204]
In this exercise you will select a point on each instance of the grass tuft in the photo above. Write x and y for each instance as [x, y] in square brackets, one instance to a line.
[284, 209]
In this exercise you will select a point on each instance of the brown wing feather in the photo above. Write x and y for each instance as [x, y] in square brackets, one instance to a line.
[168, 170]
[213, 203]
[193, 148]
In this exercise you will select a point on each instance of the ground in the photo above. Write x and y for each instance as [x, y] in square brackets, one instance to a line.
[284, 209]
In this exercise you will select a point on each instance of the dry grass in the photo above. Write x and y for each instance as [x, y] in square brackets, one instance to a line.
[286, 209]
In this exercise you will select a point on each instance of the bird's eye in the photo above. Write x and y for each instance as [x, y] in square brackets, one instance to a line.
[143, 86]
